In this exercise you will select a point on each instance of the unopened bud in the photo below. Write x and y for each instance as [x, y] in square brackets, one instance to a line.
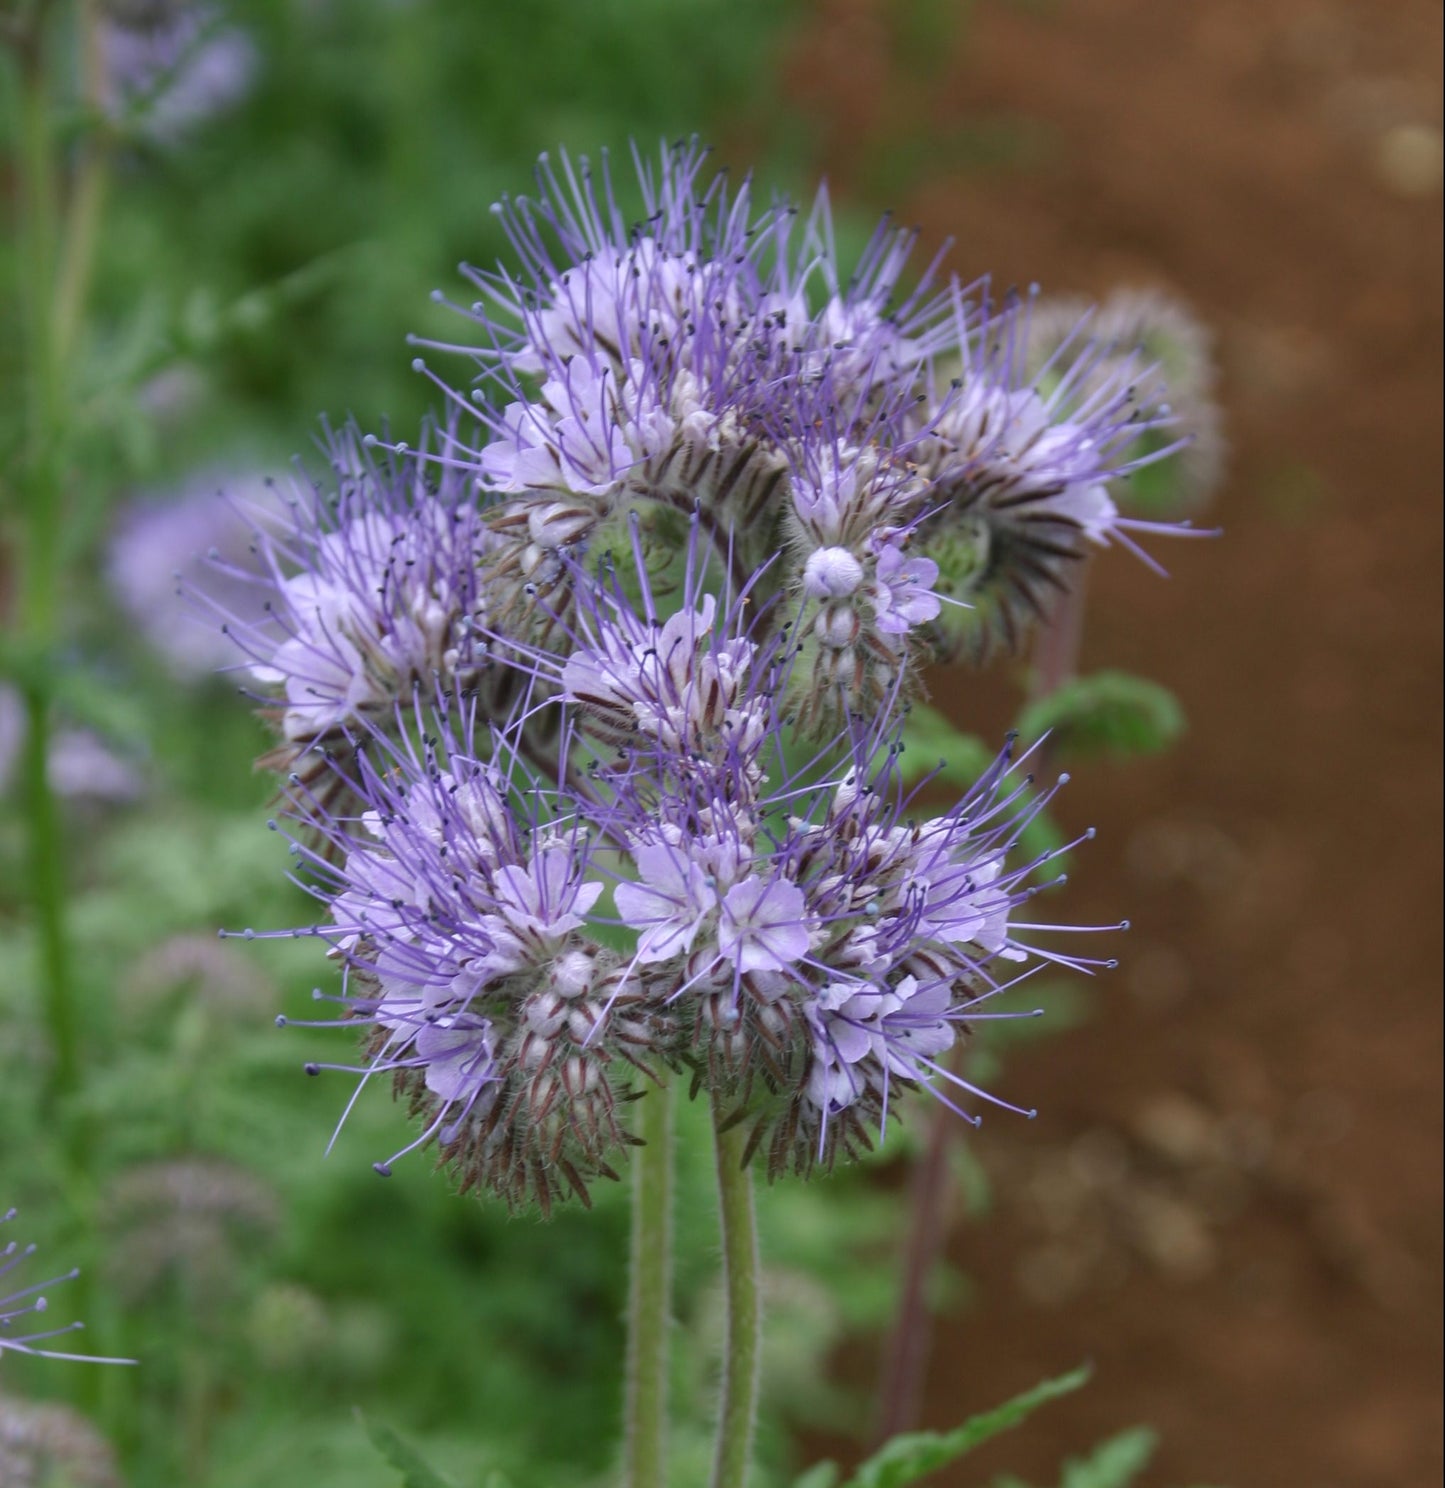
[831, 573]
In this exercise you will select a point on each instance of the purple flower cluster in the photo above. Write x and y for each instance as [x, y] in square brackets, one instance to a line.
[590, 704]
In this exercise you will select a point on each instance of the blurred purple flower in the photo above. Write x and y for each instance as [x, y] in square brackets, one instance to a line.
[198, 541]
[170, 68]
[81, 766]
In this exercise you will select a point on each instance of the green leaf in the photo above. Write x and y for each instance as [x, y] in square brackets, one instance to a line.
[415, 1471]
[1114, 1463]
[908, 1458]
[1105, 713]
[820, 1475]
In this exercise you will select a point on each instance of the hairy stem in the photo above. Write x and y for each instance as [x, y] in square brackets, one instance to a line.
[649, 1303]
[41, 490]
[47, 885]
[737, 1414]
[1056, 651]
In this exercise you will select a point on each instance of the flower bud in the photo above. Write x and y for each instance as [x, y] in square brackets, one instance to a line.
[831, 573]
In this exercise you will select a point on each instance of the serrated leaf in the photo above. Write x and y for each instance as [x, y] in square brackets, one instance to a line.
[908, 1458]
[820, 1475]
[1105, 713]
[415, 1470]
[1114, 1463]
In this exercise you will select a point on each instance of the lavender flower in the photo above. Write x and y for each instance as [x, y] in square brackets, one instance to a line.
[459, 907]
[1020, 466]
[375, 592]
[672, 357]
[1155, 327]
[830, 946]
[197, 542]
[688, 686]
[80, 765]
[709, 496]
[172, 67]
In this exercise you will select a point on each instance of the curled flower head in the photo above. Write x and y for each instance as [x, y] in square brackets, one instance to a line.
[823, 944]
[459, 907]
[675, 360]
[853, 514]
[1020, 467]
[373, 590]
[688, 687]
[1152, 327]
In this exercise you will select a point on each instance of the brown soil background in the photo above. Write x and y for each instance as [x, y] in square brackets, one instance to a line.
[1231, 1200]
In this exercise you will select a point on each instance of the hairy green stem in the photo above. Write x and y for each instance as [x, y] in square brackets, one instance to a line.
[737, 1414]
[649, 1304]
[47, 885]
[41, 487]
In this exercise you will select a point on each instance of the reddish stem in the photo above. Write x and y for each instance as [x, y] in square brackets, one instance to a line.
[905, 1359]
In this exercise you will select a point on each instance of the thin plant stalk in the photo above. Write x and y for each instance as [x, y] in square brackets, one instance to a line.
[910, 1341]
[905, 1362]
[738, 1410]
[87, 205]
[41, 493]
[57, 240]
[649, 1305]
